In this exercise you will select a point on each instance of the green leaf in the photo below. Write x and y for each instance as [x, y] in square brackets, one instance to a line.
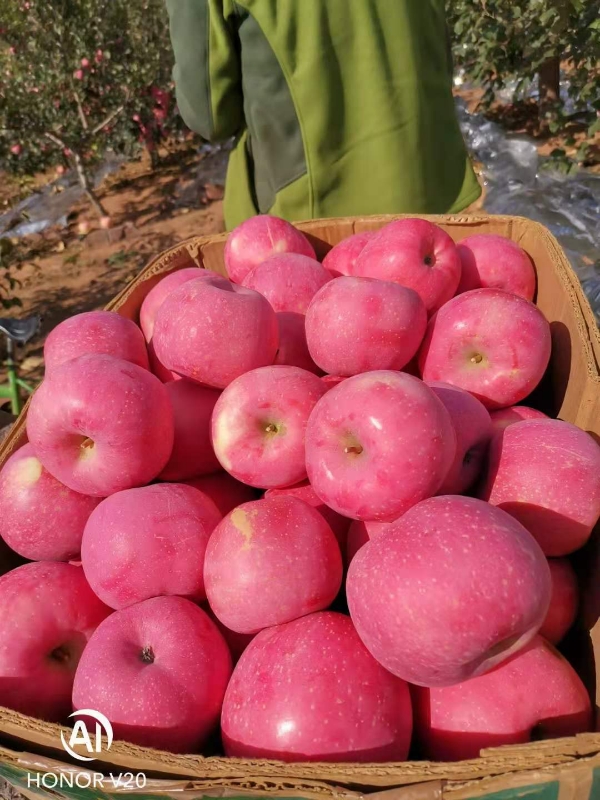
[594, 128]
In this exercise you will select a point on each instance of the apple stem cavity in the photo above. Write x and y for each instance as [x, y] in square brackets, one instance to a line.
[429, 261]
[147, 655]
[86, 447]
[355, 449]
[61, 654]
[477, 358]
[273, 428]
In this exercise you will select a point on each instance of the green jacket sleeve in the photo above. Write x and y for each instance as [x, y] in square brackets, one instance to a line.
[207, 70]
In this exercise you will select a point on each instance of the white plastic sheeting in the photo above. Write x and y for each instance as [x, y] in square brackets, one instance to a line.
[517, 184]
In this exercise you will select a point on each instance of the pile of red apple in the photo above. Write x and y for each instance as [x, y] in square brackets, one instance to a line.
[304, 505]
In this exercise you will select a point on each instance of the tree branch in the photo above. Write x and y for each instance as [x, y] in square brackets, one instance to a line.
[81, 112]
[56, 140]
[81, 174]
[108, 119]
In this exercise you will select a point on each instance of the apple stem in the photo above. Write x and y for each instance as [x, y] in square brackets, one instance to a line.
[477, 358]
[271, 428]
[87, 443]
[147, 655]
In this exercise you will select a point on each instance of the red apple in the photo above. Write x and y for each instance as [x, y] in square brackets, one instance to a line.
[99, 424]
[310, 691]
[152, 302]
[40, 519]
[259, 423]
[147, 542]
[356, 325]
[289, 281]
[490, 343]
[378, 443]
[564, 600]
[271, 561]
[359, 533]
[100, 332]
[158, 670]
[192, 453]
[452, 588]
[340, 260]
[256, 239]
[546, 474]
[212, 331]
[225, 492]
[293, 350]
[304, 491]
[473, 428]
[495, 262]
[414, 253]
[536, 694]
[159, 293]
[508, 416]
[47, 614]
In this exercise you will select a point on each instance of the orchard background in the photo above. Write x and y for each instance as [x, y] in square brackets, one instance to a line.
[80, 77]
[86, 81]
[530, 45]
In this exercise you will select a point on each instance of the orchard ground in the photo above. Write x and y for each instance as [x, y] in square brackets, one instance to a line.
[63, 273]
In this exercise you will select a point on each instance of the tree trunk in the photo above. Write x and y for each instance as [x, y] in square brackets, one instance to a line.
[549, 82]
[85, 185]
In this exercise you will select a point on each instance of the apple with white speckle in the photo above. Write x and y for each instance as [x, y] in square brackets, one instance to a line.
[99, 424]
[432, 623]
[269, 562]
[473, 428]
[536, 694]
[146, 542]
[378, 443]
[356, 325]
[47, 614]
[289, 281]
[259, 423]
[100, 332]
[546, 474]
[490, 343]
[40, 518]
[212, 331]
[310, 691]
[158, 670]
[259, 237]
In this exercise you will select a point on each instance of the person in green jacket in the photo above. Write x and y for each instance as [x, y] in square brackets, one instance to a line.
[338, 107]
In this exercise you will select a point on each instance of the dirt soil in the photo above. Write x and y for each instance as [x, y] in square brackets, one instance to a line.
[64, 272]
